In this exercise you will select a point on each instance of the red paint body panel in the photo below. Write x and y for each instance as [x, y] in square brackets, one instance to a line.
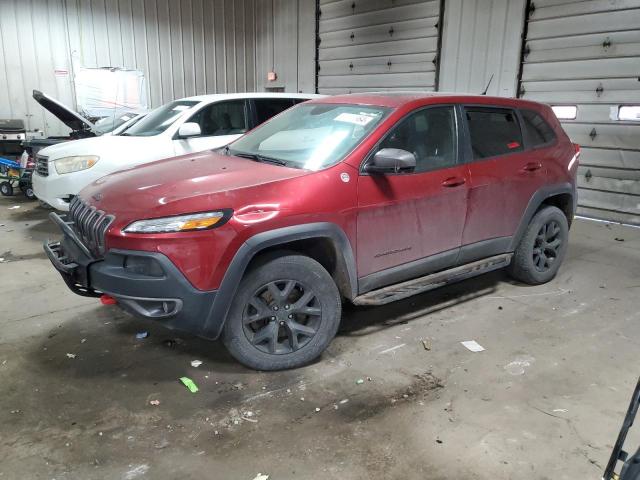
[414, 213]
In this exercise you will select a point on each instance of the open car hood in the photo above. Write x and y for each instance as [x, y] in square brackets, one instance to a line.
[71, 119]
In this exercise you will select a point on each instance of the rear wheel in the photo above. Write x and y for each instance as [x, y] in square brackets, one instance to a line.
[6, 189]
[28, 192]
[542, 247]
[285, 313]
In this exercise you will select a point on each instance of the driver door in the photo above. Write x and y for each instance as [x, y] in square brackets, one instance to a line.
[410, 224]
[220, 124]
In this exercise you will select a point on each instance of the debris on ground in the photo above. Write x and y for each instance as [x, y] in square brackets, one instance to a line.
[196, 363]
[83, 340]
[1, 259]
[155, 403]
[342, 402]
[14, 207]
[260, 476]
[359, 381]
[473, 346]
[519, 364]
[317, 409]
[190, 384]
[560, 410]
[392, 349]
[71, 355]
[499, 307]
[426, 343]
[141, 335]
[618, 239]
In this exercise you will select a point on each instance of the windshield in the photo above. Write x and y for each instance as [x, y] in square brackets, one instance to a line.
[160, 119]
[109, 124]
[311, 136]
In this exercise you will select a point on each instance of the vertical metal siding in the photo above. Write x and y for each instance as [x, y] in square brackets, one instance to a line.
[481, 38]
[588, 54]
[377, 45]
[184, 47]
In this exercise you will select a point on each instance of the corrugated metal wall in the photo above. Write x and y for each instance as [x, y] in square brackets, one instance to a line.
[34, 54]
[481, 38]
[588, 54]
[184, 47]
[377, 45]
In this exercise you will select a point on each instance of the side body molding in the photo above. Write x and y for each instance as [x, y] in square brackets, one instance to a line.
[344, 258]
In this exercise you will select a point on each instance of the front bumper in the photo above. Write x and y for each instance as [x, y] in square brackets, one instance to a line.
[53, 189]
[146, 284]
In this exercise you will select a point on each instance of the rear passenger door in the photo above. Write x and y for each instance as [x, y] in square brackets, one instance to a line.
[503, 178]
[265, 108]
[220, 124]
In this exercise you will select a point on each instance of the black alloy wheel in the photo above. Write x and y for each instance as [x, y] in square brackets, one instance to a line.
[282, 316]
[547, 245]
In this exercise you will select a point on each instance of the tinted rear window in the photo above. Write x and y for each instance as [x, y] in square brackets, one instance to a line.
[494, 131]
[270, 107]
[539, 131]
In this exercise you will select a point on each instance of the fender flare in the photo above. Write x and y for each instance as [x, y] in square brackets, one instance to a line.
[535, 201]
[254, 245]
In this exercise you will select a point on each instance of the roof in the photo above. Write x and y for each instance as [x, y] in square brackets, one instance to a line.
[397, 99]
[232, 96]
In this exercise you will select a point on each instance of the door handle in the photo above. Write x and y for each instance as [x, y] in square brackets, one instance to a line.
[532, 167]
[452, 182]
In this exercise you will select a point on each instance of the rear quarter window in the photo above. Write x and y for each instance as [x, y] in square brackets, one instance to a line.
[539, 132]
[493, 131]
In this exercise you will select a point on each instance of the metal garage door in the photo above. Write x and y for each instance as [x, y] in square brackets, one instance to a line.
[587, 54]
[369, 45]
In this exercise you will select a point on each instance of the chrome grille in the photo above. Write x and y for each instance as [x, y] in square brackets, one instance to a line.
[42, 166]
[90, 224]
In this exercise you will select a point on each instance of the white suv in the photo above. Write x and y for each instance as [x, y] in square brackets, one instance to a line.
[183, 126]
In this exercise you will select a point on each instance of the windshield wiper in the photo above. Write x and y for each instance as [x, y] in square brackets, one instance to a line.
[260, 158]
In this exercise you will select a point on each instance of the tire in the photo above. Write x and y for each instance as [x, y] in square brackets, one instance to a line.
[28, 192]
[269, 329]
[6, 189]
[542, 247]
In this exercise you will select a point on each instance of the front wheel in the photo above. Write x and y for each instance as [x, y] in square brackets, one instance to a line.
[542, 247]
[284, 315]
[6, 189]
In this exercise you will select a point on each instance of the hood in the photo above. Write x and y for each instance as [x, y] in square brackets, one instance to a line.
[191, 183]
[70, 118]
[134, 149]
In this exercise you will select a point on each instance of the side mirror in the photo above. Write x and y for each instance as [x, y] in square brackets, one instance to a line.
[391, 160]
[189, 129]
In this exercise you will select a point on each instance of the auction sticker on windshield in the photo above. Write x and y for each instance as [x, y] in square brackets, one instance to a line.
[361, 119]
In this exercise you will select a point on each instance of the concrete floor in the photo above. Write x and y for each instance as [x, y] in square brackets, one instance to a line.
[545, 400]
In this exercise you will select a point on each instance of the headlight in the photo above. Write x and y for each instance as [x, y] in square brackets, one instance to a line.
[180, 223]
[75, 164]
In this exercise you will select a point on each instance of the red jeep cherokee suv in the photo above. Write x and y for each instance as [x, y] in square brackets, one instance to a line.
[368, 198]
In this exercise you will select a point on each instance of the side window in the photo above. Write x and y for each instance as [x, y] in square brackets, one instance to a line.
[222, 118]
[430, 134]
[270, 107]
[494, 131]
[539, 131]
